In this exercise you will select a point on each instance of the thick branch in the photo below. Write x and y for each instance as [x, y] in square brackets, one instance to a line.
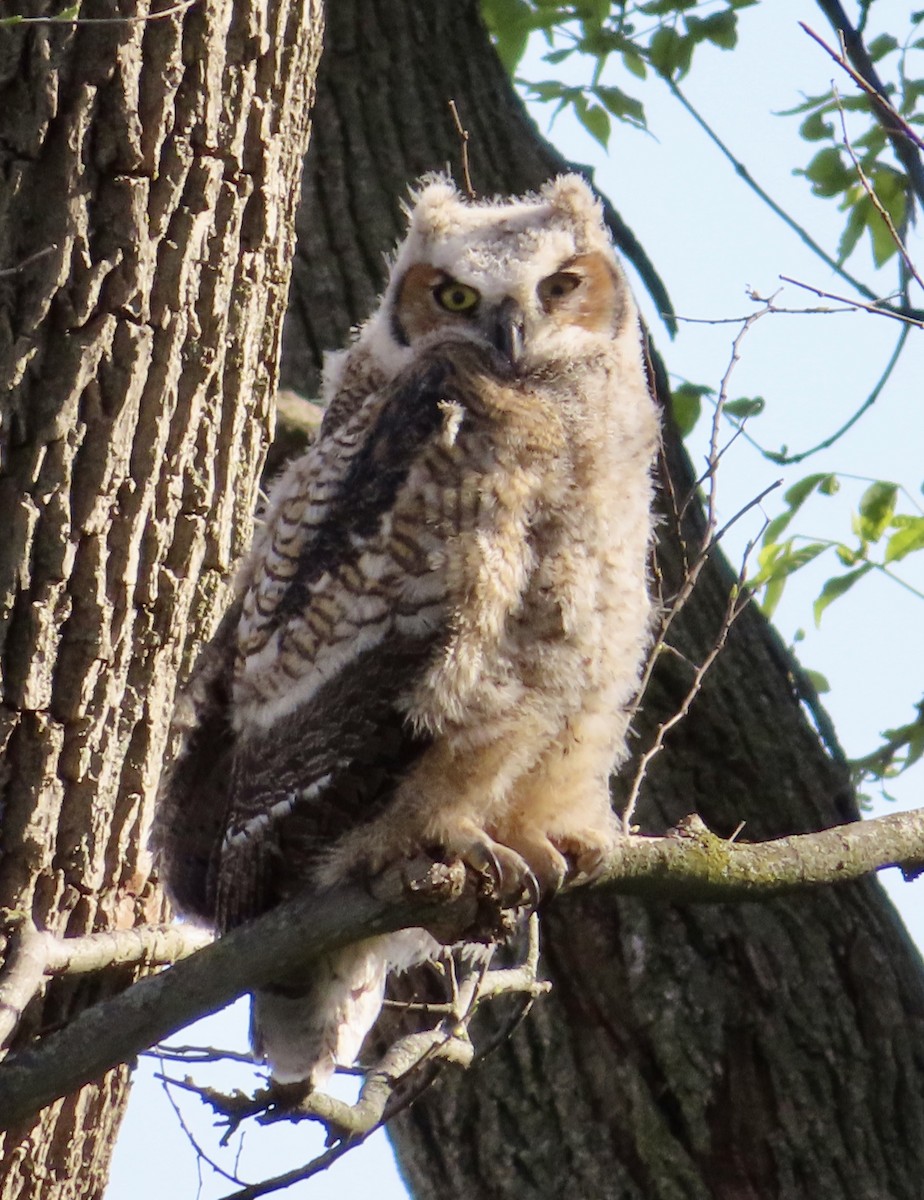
[688, 864]
[693, 864]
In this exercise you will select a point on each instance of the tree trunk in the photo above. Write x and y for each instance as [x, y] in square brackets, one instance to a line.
[735, 1052]
[147, 193]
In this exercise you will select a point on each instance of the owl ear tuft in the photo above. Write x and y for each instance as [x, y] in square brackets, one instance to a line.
[435, 207]
[573, 201]
[573, 197]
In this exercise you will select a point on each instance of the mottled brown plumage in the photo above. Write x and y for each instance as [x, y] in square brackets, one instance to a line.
[441, 622]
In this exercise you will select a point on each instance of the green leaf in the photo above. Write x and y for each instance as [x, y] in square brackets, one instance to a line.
[720, 28]
[880, 46]
[669, 53]
[815, 128]
[856, 223]
[594, 119]
[745, 407]
[877, 506]
[776, 527]
[836, 587]
[804, 555]
[510, 23]
[664, 8]
[794, 498]
[796, 495]
[908, 539]
[778, 561]
[687, 404]
[818, 681]
[890, 190]
[621, 105]
[828, 173]
[595, 11]
[634, 63]
[772, 593]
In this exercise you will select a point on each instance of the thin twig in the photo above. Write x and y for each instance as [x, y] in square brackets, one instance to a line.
[197, 1054]
[708, 541]
[65, 20]
[879, 309]
[788, 460]
[742, 171]
[37, 955]
[27, 262]
[746, 508]
[464, 139]
[871, 193]
[738, 600]
[895, 122]
[200, 1152]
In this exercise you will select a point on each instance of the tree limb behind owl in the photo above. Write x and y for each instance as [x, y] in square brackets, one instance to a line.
[441, 622]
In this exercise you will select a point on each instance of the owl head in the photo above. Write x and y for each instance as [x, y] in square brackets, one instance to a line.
[533, 278]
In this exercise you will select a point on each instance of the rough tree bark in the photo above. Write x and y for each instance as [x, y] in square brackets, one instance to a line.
[148, 179]
[733, 1052]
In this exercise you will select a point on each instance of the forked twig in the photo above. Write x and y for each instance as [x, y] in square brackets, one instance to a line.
[693, 569]
[390, 1085]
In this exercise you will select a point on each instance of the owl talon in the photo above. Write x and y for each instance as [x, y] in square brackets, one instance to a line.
[505, 874]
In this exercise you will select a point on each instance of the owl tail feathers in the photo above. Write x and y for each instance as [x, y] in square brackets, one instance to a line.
[304, 1031]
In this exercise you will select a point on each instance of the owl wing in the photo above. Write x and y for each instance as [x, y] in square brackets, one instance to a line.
[192, 802]
[344, 613]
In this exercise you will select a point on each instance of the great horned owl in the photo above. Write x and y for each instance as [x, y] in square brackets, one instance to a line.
[441, 621]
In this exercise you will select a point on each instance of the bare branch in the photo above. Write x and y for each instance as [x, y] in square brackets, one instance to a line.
[738, 599]
[36, 955]
[688, 864]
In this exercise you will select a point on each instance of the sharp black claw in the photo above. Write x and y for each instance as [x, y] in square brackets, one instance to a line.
[531, 889]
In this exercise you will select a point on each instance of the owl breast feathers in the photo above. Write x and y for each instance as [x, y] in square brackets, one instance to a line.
[441, 622]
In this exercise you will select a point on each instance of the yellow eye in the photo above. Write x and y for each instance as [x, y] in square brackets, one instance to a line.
[456, 297]
[556, 286]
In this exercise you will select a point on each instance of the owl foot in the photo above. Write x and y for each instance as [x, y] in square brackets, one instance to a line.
[585, 854]
[549, 867]
[509, 876]
[558, 859]
[501, 874]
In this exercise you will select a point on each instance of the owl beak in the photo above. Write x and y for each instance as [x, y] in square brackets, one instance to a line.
[507, 334]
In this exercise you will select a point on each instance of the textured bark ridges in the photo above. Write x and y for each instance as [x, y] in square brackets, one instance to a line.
[149, 171]
[733, 1052]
